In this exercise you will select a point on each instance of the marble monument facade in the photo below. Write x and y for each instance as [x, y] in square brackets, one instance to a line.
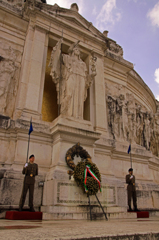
[57, 68]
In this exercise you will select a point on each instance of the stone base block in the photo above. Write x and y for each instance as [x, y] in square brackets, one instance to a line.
[83, 212]
[11, 185]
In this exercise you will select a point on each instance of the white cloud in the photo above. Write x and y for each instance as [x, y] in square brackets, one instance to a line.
[94, 12]
[133, 0]
[67, 4]
[61, 3]
[157, 97]
[108, 15]
[154, 15]
[156, 74]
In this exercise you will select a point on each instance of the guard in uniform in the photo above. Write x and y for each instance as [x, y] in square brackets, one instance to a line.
[30, 170]
[131, 190]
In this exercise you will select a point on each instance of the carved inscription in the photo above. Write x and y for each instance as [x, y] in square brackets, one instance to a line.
[71, 193]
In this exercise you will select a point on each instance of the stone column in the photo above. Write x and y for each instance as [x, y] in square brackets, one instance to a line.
[29, 100]
[100, 104]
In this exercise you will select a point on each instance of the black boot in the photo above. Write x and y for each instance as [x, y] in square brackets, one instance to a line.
[20, 209]
[130, 209]
[136, 209]
[32, 209]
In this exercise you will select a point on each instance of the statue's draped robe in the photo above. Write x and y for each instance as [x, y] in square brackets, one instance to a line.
[74, 91]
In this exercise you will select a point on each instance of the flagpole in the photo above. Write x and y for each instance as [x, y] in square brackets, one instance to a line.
[30, 130]
[28, 149]
[130, 159]
[129, 151]
[130, 155]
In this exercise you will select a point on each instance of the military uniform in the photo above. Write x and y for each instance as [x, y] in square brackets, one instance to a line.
[131, 190]
[30, 172]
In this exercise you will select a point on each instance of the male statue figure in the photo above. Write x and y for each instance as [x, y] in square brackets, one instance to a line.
[131, 190]
[69, 73]
[30, 170]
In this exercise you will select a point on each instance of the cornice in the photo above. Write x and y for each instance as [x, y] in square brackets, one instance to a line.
[69, 13]
[50, 21]
[76, 131]
[154, 163]
[17, 134]
[117, 59]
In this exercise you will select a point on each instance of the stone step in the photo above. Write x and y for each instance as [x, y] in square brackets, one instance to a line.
[81, 209]
[96, 212]
[95, 216]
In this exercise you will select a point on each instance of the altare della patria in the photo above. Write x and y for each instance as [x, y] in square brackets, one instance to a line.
[86, 102]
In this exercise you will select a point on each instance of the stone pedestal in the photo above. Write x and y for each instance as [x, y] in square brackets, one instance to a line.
[60, 194]
[63, 198]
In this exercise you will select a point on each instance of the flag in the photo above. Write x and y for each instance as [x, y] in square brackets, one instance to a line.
[31, 127]
[129, 148]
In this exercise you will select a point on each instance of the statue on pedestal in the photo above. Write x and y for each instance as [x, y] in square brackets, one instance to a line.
[69, 73]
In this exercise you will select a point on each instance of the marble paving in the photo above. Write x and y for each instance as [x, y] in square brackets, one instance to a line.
[77, 229]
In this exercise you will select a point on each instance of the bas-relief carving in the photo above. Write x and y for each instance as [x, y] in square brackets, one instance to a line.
[114, 88]
[9, 76]
[129, 121]
[72, 81]
[114, 48]
[15, 3]
[23, 4]
[157, 103]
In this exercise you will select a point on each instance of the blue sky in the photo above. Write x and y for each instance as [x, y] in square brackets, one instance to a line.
[134, 25]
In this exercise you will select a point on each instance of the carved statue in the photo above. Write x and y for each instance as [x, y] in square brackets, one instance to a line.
[139, 126]
[114, 48]
[147, 133]
[16, 3]
[71, 79]
[7, 70]
[129, 121]
[111, 114]
[121, 114]
[9, 76]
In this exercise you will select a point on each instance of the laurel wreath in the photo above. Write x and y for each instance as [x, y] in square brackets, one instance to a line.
[78, 170]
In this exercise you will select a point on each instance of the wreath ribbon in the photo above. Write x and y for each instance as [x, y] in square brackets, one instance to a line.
[87, 169]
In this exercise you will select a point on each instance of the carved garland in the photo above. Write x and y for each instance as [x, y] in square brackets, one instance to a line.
[86, 173]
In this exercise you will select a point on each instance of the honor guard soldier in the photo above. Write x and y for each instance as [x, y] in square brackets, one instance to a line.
[131, 190]
[30, 170]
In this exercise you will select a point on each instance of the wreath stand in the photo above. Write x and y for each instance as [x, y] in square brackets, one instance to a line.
[81, 169]
[100, 206]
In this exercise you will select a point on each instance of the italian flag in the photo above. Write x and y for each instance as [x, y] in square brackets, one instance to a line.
[87, 169]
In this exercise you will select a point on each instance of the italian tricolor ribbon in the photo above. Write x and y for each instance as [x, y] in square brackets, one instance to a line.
[87, 169]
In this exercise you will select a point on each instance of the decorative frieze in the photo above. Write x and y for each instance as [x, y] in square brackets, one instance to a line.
[130, 121]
